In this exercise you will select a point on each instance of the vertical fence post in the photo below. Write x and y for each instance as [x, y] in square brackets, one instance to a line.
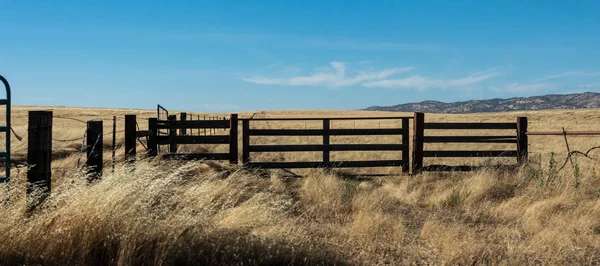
[406, 149]
[94, 149]
[130, 136]
[245, 141]
[183, 117]
[233, 139]
[114, 143]
[418, 134]
[39, 156]
[204, 119]
[522, 140]
[152, 141]
[326, 125]
[172, 134]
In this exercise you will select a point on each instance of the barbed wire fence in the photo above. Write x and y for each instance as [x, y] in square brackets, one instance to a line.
[21, 164]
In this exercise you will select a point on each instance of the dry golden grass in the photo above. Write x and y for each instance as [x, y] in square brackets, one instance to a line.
[198, 213]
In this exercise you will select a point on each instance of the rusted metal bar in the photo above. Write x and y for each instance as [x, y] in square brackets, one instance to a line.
[568, 148]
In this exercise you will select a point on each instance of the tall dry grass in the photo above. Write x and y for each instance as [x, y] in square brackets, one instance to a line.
[198, 213]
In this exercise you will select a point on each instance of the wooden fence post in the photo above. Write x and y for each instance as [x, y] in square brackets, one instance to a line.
[406, 149]
[130, 137]
[39, 156]
[172, 135]
[418, 134]
[152, 142]
[326, 126]
[94, 149]
[183, 117]
[522, 140]
[245, 141]
[233, 139]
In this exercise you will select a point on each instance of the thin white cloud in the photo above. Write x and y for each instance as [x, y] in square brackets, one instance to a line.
[423, 83]
[569, 74]
[264, 80]
[334, 77]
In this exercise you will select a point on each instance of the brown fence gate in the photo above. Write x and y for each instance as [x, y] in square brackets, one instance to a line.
[326, 146]
[177, 134]
[518, 137]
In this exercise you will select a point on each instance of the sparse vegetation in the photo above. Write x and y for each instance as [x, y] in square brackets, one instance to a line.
[198, 213]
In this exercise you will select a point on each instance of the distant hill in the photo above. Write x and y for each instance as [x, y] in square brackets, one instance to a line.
[551, 101]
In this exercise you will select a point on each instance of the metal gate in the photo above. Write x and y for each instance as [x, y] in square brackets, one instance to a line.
[6, 129]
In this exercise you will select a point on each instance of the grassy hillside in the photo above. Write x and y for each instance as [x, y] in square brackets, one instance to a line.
[197, 213]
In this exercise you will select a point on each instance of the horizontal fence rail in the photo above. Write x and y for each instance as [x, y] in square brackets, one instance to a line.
[464, 168]
[332, 132]
[214, 139]
[328, 118]
[470, 126]
[326, 147]
[199, 156]
[193, 124]
[331, 147]
[470, 139]
[341, 164]
[447, 154]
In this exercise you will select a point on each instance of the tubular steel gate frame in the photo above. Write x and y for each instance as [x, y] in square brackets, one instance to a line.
[6, 129]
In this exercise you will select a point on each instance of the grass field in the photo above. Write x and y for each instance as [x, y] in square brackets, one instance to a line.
[198, 213]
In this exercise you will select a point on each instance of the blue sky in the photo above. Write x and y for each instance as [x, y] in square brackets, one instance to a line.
[262, 55]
